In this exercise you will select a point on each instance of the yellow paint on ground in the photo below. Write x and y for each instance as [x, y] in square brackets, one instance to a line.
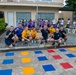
[28, 70]
[26, 60]
[24, 53]
[72, 49]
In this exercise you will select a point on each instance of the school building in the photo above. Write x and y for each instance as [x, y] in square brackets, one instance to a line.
[15, 10]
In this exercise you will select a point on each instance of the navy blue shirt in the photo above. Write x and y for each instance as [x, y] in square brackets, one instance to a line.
[45, 33]
[19, 31]
[57, 36]
[11, 35]
[62, 32]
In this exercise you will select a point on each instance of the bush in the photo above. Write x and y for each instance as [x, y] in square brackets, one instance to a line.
[3, 25]
[2, 20]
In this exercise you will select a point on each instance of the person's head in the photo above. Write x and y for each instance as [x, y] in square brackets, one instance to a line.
[51, 26]
[11, 28]
[30, 20]
[45, 27]
[34, 28]
[42, 19]
[57, 30]
[20, 25]
[61, 28]
[26, 28]
[68, 18]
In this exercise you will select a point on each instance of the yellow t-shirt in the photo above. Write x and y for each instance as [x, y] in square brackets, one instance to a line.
[34, 34]
[25, 33]
[51, 30]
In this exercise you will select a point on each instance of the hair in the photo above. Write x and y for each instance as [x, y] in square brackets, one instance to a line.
[11, 26]
[19, 23]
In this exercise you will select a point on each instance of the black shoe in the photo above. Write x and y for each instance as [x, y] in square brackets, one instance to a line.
[59, 45]
[13, 45]
[41, 42]
[53, 44]
[45, 41]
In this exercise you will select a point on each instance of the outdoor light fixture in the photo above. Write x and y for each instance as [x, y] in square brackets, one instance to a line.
[60, 11]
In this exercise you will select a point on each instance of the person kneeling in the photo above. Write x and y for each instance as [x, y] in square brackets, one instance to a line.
[45, 34]
[56, 38]
[11, 38]
[34, 35]
[64, 34]
[26, 35]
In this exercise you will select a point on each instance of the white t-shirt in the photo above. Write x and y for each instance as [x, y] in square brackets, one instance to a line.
[62, 22]
[68, 22]
[54, 21]
[74, 23]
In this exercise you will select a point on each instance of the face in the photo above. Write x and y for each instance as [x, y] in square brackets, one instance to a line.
[34, 29]
[20, 25]
[57, 30]
[61, 28]
[26, 28]
[51, 26]
[45, 27]
[11, 28]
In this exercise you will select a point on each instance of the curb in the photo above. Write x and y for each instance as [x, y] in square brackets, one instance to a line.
[34, 48]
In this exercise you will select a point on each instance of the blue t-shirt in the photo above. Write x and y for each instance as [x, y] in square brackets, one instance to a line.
[19, 31]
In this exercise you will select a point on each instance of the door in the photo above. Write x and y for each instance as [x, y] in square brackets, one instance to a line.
[10, 19]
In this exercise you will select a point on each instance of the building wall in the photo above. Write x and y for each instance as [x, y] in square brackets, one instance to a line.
[27, 9]
[66, 15]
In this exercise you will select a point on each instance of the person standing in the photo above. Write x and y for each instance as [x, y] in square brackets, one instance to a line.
[68, 23]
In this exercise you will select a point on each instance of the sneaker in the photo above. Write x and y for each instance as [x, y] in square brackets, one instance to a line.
[16, 44]
[45, 41]
[64, 43]
[35, 42]
[41, 42]
[13, 45]
[53, 44]
[32, 41]
[59, 45]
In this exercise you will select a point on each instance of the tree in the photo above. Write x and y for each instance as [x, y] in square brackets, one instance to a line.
[72, 5]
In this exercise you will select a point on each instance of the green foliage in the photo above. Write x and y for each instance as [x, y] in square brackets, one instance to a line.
[71, 4]
[3, 25]
[2, 20]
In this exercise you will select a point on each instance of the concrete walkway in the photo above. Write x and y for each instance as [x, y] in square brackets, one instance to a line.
[39, 62]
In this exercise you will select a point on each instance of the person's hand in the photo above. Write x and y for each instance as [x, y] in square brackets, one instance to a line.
[64, 33]
[28, 40]
[9, 34]
[17, 29]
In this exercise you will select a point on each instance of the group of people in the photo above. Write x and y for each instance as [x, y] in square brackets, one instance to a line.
[41, 23]
[26, 35]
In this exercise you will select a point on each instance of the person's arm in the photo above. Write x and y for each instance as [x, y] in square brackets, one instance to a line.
[64, 33]
[60, 36]
[7, 34]
[16, 29]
